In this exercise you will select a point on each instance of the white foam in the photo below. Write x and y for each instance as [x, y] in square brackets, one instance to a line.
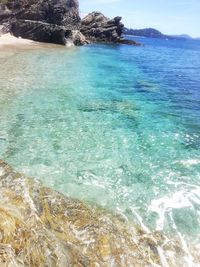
[140, 220]
[69, 43]
[162, 257]
[166, 204]
[181, 199]
[146, 229]
[187, 257]
[2, 171]
[189, 162]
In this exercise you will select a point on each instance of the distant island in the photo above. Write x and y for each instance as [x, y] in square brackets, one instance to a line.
[153, 33]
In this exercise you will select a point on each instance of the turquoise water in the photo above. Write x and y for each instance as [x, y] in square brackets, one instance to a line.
[115, 125]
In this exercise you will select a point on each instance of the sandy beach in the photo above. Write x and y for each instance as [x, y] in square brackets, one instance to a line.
[8, 39]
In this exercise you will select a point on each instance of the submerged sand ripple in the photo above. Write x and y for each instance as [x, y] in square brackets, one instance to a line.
[41, 227]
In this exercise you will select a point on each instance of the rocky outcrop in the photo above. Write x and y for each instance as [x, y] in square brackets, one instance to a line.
[52, 21]
[45, 32]
[58, 21]
[41, 227]
[59, 12]
[40, 31]
[98, 28]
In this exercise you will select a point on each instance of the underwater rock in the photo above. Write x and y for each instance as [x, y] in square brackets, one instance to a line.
[41, 227]
[129, 42]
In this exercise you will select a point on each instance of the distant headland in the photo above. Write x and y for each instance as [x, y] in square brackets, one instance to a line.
[153, 33]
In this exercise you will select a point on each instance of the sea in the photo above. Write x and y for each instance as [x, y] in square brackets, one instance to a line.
[113, 125]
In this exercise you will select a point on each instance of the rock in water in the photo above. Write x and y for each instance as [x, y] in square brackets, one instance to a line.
[98, 28]
[52, 21]
[40, 227]
[129, 42]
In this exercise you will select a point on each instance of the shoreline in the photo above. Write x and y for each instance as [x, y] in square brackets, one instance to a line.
[9, 40]
[48, 221]
[35, 218]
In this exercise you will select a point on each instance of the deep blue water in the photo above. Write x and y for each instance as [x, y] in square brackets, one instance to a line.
[113, 124]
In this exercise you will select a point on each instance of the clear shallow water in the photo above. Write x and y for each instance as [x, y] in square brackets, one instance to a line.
[115, 125]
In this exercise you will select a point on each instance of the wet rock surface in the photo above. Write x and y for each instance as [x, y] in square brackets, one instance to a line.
[41, 227]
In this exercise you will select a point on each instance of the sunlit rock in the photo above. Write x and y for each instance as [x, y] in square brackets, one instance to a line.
[41, 227]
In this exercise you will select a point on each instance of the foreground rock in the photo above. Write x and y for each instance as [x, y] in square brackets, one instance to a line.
[45, 32]
[52, 21]
[59, 12]
[40, 227]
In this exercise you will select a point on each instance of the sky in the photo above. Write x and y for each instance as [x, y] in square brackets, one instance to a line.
[168, 16]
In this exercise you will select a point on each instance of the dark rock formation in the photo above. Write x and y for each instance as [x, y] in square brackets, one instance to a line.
[53, 21]
[46, 32]
[58, 21]
[129, 42]
[98, 28]
[59, 12]
[39, 31]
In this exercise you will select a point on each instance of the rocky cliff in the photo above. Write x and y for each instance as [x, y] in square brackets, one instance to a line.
[60, 12]
[98, 28]
[58, 21]
[53, 21]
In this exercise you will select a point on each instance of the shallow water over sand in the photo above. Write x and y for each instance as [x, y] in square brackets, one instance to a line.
[115, 125]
